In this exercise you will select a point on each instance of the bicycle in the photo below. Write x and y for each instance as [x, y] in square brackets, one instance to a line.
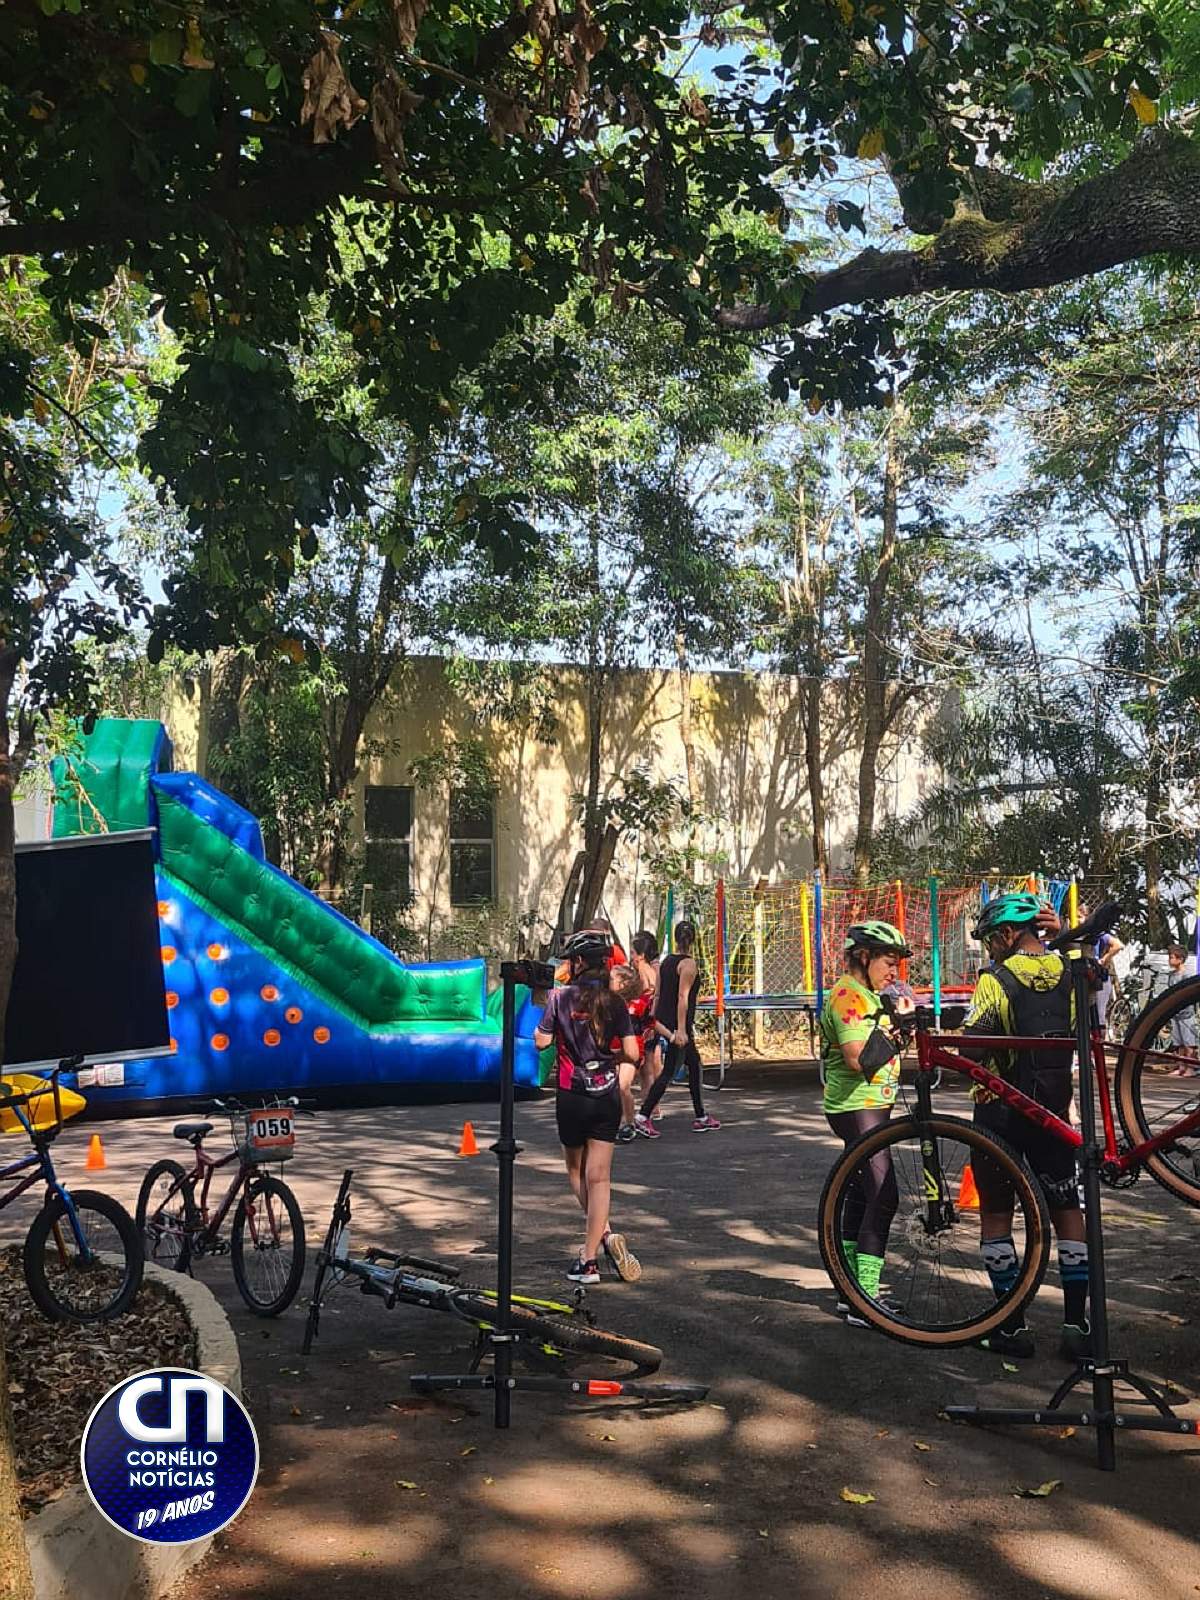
[82, 1257]
[545, 1331]
[266, 1243]
[939, 1295]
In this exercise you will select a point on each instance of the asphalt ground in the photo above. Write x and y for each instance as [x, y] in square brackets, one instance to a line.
[367, 1489]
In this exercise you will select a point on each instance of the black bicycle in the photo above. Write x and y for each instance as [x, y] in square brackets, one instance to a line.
[543, 1331]
[82, 1257]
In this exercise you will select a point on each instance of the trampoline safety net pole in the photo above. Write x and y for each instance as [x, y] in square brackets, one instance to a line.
[935, 951]
[819, 940]
[721, 975]
[1072, 904]
[806, 935]
[900, 920]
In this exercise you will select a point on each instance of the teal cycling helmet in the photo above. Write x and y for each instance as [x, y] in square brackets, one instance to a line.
[1008, 911]
[880, 938]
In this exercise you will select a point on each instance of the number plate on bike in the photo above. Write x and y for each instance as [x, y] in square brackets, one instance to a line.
[270, 1132]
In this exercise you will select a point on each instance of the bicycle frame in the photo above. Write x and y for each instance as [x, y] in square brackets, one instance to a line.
[932, 1053]
[40, 1159]
[202, 1171]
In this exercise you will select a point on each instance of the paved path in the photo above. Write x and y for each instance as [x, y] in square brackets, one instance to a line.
[737, 1496]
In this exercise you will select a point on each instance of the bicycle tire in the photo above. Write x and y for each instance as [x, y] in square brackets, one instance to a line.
[564, 1332]
[1141, 1121]
[905, 1322]
[264, 1187]
[110, 1289]
[147, 1219]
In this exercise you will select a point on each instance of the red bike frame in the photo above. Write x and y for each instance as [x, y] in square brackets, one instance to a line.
[932, 1053]
[203, 1169]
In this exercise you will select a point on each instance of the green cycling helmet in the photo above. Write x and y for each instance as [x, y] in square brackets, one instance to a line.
[880, 938]
[1008, 911]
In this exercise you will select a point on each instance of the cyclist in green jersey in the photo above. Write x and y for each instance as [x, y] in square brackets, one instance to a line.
[858, 1099]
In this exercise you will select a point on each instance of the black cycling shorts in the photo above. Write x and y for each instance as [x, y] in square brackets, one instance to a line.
[587, 1116]
[1050, 1160]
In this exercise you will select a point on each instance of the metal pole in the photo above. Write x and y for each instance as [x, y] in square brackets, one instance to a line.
[819, 940]
[1102, 1373]
[506, 1150]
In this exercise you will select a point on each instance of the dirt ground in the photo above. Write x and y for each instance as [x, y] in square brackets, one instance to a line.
[385, 1494]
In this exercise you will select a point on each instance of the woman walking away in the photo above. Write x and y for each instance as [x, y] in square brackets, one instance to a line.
[858, 1099]
[645, 964]
[675, 1021]
[596, 1048]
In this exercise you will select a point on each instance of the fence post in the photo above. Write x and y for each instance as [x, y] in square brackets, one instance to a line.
[759, 967]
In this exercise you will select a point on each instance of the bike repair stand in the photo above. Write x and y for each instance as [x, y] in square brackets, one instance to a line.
[501, 1340]
[1101, 1369]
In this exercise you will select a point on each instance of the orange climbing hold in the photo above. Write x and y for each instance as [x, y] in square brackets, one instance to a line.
[467, 1145]
[294, 1014]
[968, 1194]
[220, 1041]
[271, 1037]
[321, 1035]
[269, 992]
[219, 997]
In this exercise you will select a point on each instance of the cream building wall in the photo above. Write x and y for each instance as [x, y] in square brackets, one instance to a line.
[749, 760]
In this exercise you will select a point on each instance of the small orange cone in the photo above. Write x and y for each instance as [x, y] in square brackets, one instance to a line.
[95, 1157]
[968, 1194]
[467, 1146]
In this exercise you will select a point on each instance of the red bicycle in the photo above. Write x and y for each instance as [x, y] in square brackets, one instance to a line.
[266, 1242]
[938, 1291]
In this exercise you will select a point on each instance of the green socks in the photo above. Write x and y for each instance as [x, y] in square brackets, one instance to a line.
[867, 1272]
[850, 1252]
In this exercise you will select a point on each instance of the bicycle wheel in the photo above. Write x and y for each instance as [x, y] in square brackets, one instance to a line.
[939, 1292]
[266, 1246]
[68, 1285]
[560, 1329]
[167, 1216]
[1164, 1040]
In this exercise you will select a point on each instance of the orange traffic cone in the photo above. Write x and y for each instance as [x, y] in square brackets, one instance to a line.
[95, 1157]
[467, 1145]
[968, 1194]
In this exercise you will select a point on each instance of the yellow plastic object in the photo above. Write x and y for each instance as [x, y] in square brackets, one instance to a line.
[40, 1110]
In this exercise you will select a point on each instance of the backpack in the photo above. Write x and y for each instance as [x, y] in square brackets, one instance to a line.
[1040, 1013]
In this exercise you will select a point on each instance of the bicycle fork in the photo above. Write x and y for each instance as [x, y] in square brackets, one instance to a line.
[939, 1202]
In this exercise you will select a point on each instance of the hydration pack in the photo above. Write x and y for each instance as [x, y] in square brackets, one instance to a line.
[1044, 1013]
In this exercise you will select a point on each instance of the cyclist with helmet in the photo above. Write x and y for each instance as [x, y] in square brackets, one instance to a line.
[858, 1098]
[1027, 992]
[597, 1051]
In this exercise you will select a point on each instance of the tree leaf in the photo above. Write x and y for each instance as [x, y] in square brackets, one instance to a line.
[1144, 108]
[855, 1497]
[1041, 1492]
[870, 145]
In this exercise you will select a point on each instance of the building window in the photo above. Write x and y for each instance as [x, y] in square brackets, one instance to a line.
[388, 817]
[472, 848]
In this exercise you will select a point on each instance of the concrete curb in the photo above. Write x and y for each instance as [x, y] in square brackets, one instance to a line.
[75, 1553]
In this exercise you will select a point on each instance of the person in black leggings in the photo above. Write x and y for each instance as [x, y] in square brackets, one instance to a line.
[675, 1021]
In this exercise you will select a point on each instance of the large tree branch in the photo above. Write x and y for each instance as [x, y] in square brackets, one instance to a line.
[1024, 236]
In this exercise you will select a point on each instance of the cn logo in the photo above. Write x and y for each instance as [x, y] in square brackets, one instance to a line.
[176, 1430]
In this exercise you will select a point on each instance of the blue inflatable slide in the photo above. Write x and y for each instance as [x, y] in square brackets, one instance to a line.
[268, 987]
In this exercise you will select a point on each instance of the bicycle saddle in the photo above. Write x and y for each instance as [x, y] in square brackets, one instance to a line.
[1100, 921]
[192, 1130]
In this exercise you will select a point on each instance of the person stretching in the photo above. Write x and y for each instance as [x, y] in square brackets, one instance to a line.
[596, 1050]
[675, 1021]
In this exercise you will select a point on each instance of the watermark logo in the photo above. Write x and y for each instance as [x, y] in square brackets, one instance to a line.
[169, 1456]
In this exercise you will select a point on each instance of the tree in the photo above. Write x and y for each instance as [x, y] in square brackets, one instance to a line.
[629, 481]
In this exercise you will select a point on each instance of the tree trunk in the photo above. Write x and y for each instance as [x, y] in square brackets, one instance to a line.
[596, 876]
[685, 720]
[16, 1574]
[225, 688]
[16, 1579]
[1157, 927]
[811, 694]
[875, 653]
[593, 822]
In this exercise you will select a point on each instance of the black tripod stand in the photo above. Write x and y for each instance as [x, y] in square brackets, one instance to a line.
[1102, 1370]
[500, 1340]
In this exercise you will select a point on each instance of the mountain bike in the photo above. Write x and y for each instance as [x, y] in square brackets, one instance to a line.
[266, 1240]
[939, 1293]
[82, 1256]
[546, 1332]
